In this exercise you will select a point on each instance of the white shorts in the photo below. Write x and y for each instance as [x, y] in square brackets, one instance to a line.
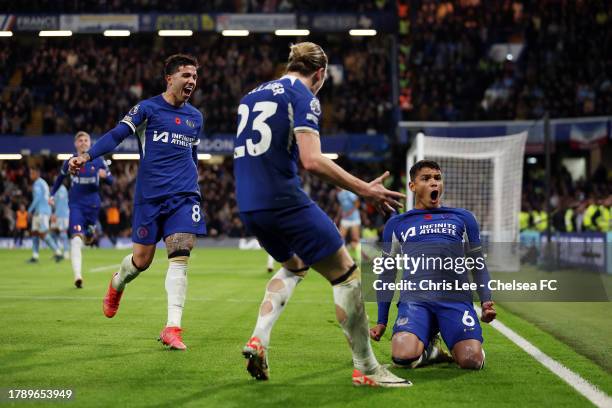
[40, 223]
[344, 223]
[60, 224]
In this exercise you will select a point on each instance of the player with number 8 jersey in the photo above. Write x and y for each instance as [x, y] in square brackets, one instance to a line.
[167, 199]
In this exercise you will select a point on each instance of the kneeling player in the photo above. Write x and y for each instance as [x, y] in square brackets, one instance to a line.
[414, 333]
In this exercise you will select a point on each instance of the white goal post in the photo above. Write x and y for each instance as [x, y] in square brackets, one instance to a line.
[481, 174]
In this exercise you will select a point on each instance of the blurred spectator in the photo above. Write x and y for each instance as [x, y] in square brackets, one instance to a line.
[21, 225]
[113, 218]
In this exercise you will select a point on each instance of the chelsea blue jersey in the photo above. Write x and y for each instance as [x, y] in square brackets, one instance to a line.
[167, 139]
[436, 233]
[443, 224]
[85, 185]
[265, 151]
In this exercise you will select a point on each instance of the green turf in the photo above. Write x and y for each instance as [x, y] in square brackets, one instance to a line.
[56, 336]
[585, 326]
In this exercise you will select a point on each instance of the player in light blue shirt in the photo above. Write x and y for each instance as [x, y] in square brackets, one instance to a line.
[61, 215]
[278, 127]
[350, 221]
[41, 212]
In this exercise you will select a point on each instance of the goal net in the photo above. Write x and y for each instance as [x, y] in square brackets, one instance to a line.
[483, 175]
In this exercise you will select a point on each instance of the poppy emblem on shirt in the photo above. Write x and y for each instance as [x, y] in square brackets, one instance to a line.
[427, 216]
[142, 232]
[177, 120]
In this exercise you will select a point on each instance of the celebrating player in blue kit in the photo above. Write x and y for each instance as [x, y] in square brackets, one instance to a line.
[167, 198]
[84, 201]
[279, 125]
[41, 213]
[432, 227]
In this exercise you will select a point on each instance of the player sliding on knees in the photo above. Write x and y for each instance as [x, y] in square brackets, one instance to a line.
[432, 228]
[83, 201]
[279, 126]
[167, 198]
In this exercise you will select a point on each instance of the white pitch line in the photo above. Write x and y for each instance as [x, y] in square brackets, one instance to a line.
[582, 386]
[104, 268]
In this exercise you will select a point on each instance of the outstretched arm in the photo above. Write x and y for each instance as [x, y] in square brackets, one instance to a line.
[60, 178]
[313, 161]
[105, 144]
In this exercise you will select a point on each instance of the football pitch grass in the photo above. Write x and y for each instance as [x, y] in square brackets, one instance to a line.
[56, 337]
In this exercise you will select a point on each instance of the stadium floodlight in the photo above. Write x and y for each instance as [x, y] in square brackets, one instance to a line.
[291, 32]
[64, 156]
[235, 33]
[117, 33]
[333, 156]
[204, 156]
[175, 33]
[360, 32]
[11, 156]
[126, 156]
[55, 33]
[6, 33]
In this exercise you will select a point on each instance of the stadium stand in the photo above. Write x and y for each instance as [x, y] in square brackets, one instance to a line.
[90, 82]
[565, 68]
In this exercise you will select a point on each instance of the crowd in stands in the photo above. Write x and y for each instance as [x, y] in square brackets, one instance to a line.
[89, 82]
[446, 72]
[195, 6]
[582, 206]
[585, 205]
[216, 184]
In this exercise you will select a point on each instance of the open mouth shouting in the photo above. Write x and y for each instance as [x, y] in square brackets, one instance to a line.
[187, 90]
[435, 196]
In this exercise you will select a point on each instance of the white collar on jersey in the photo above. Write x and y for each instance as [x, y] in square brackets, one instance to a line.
[292, 78]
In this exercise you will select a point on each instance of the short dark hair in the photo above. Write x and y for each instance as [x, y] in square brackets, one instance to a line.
[423, 164]
[173, 62]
